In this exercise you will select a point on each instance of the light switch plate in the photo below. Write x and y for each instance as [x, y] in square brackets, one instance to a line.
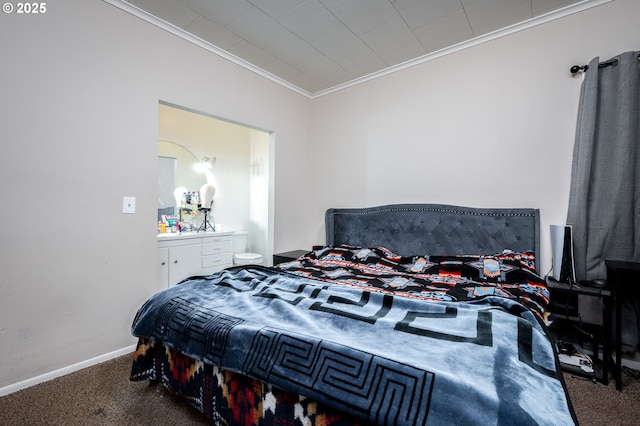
[129, 205]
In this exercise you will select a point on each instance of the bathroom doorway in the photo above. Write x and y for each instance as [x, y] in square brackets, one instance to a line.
[237, 159]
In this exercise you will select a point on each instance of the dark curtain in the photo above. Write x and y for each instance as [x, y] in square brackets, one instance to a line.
[604, 200]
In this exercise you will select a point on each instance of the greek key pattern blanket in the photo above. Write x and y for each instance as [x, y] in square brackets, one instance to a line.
[386, 358]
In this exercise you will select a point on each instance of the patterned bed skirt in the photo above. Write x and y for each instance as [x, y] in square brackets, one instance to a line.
[228, 398]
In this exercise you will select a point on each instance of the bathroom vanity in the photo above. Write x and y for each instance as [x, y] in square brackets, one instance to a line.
[183, 255]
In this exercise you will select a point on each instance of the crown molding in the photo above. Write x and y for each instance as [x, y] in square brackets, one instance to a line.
[539, 20]
[145, 16]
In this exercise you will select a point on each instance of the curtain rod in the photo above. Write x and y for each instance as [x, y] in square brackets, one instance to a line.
[577, 68]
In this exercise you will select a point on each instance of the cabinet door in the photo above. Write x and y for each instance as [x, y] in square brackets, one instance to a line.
[163, 267]
[184, 261]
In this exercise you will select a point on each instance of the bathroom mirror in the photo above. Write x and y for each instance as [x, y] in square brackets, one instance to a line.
[175, 168]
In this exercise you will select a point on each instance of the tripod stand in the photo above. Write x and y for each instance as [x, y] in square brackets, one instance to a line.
[206, 224]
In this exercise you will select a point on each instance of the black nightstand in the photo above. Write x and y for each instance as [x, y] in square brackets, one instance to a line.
[621, 275]
[288, 256]
[565, 304]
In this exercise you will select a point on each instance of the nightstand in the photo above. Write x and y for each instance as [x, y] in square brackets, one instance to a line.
[565, 304]
[288, 256]
[620, 276]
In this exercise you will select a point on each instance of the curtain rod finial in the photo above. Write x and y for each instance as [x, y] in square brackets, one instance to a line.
[577, 68]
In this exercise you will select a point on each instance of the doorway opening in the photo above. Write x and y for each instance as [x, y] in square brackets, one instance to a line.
[237, 159]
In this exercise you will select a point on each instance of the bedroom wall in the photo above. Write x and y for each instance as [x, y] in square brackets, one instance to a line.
[489, 126]
[80, 88]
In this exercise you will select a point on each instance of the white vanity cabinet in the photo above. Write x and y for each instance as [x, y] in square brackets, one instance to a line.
[182, 256]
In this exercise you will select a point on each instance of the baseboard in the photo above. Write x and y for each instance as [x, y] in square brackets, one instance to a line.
[65, 370]
[630, 360]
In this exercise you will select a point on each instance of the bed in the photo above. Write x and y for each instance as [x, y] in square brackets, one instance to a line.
[409, 314]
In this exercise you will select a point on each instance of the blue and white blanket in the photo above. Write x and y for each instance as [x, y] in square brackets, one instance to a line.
[387, 358]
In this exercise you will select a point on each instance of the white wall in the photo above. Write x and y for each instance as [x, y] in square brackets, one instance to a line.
[260, 173]
[489, 126]
[80, 89]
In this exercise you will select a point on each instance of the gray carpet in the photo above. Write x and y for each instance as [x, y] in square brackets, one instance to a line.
[103, 395]
[98, 395]
[597, 404]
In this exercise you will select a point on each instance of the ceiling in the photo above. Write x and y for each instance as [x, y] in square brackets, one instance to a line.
[316, 46]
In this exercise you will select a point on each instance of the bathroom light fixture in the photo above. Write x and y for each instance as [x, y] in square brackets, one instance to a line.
[208, 162]
[177, 194]
[205, 166]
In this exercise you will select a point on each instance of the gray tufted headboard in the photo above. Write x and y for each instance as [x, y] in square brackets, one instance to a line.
[436, 229]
